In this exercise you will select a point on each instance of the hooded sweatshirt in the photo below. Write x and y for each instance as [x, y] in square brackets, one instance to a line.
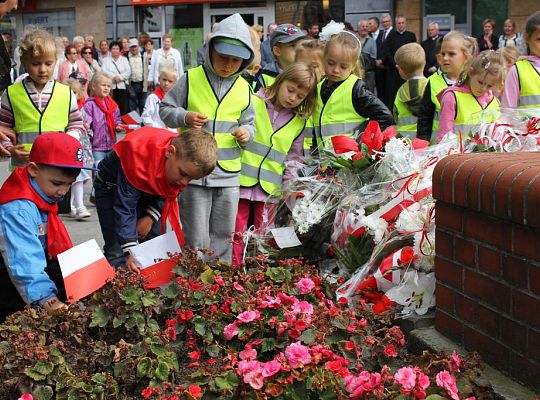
[411, 93]
[173, 108]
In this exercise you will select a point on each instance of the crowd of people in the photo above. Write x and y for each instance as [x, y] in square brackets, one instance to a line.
[244, 114]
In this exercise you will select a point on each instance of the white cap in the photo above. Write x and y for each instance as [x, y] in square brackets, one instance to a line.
[133, 42]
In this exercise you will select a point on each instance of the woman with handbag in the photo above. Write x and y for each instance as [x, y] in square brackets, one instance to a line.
[75, 68]
[117, 68]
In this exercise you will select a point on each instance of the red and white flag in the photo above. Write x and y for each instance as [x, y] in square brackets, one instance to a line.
[132, 121]
[85, 269]
[156, 259]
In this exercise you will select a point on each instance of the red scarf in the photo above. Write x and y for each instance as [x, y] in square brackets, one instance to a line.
[80, 103]
[142, 156]
[159, 93]
[18, 187]
[109, 110]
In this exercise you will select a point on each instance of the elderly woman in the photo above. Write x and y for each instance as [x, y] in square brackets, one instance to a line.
[74, 68]
[487, 41]
[510, 37]
[87, 53]
[117, 68]
[78, 42]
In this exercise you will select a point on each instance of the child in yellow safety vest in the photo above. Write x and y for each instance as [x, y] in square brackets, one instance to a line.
[522, 85]
[344, 104]
[410, 62]
[282, 110]
[215, 97]
[456, 50]
[473, 95]
[38, 104]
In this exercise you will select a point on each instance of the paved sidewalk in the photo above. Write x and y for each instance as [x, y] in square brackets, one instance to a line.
[79, 231]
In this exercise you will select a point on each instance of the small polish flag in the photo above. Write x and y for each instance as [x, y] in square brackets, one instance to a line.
[85, 269]
[132, 118]
[156, 259]
[132, 121]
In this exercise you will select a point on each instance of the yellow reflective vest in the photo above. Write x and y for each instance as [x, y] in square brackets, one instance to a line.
[529, 84]
[263, 159]
[469, 113]
[436, 85]
[29, 121]
[267, 79]
[337, 116]
[223, 115]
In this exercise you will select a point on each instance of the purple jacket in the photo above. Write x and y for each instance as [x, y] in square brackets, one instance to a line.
[100, 137]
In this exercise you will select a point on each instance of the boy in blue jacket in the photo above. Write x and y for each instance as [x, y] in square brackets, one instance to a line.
[31, 234]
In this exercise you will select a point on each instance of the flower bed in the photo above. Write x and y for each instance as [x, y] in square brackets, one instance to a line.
[270, 331]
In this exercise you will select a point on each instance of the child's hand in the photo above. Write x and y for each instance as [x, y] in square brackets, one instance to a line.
[119, 128]
[53, 304]
[131, 265]
[241, 135]
[195, 119]
[144, 224]
[19, 154]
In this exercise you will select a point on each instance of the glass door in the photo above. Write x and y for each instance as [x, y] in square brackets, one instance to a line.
[261, 13]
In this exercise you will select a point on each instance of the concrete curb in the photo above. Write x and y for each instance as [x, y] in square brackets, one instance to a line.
[428, 338]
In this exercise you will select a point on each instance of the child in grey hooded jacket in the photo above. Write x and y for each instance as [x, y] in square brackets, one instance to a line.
[215, 97]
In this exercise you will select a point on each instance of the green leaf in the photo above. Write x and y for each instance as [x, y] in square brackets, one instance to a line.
[213, 351]
[208, 275]
[197, 294]
[149, 299]
[143, 367]
[172, 291]
[118, 321]
[101, 317]
[327, 394]
[268, 344]
[308, 336]
[162, 371]
[338, 323]
[200, 329]
[435, 397]
[99, 379]
[43, 367]
[222, 383]
[42, 392]
[278, 274]
[131, 295]
[158, 350]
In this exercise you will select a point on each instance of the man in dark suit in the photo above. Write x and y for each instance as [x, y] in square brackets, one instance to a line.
[380, 73]
[397, 38]
[429, 48]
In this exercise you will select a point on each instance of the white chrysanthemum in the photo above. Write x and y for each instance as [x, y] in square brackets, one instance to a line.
[375, 226]
[306, 213]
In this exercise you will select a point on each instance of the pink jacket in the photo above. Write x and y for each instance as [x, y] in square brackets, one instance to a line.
[65, 69]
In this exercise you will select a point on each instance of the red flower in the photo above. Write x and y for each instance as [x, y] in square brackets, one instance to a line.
[419, 144]
[149, 391]
[349, 345]
[384, 305]
[195, 391]
[372, 137]
[183, 316]
[390, 351]
[407, 256]
[194, 355]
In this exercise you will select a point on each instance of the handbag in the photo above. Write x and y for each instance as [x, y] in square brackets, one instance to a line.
[129, 88]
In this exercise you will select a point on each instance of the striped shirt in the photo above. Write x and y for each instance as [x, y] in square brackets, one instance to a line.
[40, 100]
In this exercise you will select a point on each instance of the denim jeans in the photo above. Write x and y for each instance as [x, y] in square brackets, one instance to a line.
[105, 195]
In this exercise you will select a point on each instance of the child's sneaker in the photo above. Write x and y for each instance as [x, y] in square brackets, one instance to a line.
[82, 213]
[73, 213]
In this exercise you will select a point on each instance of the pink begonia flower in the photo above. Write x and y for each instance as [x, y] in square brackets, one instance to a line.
[26, 396]
[270, 302]
[219, 280]
[303, 307]
[297, 355]
[455, 362]
[305, 285]
[238, 287]
[248, 354]
[252, 372]
[230, 331]
[271, 368]
[423, 380]
[406, 378]
[447, 381]
[248, 316]
[364, 382]
[390, 350]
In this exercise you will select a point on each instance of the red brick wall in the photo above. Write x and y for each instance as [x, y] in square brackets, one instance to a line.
[488, 258]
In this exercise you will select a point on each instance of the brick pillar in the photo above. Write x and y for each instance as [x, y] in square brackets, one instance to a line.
[488, 258]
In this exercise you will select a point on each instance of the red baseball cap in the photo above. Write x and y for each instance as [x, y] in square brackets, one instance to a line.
[58, 149]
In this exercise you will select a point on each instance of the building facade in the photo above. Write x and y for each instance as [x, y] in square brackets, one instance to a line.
[189, 20]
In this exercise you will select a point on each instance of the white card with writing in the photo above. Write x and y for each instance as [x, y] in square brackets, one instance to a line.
[285, 237]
